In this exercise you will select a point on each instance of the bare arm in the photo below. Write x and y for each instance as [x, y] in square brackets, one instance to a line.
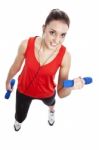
[63, 75]
[16, 66]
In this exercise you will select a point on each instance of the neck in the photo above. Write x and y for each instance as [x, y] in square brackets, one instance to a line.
[44, 46]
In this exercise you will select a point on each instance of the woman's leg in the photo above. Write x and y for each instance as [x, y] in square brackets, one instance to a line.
[50, 102]
[22, 106]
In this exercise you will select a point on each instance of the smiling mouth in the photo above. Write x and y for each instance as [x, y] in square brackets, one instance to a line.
[53, 44]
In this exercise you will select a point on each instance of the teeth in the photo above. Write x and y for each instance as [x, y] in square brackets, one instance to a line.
[54, 44]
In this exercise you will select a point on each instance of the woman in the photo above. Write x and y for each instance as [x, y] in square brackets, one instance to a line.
[42, 57]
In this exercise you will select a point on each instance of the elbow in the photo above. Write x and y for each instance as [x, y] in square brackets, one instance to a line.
[63, 94]
[18, 69]
[15, 70]
[60, 96]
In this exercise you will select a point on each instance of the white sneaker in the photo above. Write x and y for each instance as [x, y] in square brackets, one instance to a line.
[51, 118]
[17, 126]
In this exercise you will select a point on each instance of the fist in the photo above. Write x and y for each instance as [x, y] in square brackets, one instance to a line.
[78, 83]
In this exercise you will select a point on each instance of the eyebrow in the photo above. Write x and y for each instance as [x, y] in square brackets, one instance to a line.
[56, 31]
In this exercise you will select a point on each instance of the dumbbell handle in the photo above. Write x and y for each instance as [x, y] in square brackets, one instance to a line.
[8, 92]
[70, 83]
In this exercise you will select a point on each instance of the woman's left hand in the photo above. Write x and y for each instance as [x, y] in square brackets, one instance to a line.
[78, 83]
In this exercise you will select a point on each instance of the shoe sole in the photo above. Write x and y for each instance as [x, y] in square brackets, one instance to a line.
[51, 124]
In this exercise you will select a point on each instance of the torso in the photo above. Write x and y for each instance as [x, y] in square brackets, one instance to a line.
[44, 54]
[34, 80]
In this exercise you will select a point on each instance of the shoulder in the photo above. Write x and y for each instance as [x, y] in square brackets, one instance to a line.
[66, 58]
[23, 46]
[38, 42]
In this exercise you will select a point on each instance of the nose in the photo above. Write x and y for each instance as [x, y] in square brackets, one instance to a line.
[57, 39]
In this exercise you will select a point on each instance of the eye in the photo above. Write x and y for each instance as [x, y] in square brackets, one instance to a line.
[63, 35]
[52, 32]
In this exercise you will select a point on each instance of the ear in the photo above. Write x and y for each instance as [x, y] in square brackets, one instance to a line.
[43, 28]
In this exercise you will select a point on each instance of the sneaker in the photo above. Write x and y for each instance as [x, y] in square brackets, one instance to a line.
[51, 118]
[17, 126]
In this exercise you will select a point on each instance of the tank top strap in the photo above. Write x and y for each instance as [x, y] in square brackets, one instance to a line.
[30, 44]
[61, 54]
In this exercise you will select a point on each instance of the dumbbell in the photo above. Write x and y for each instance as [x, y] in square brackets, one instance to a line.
[70, 83]
[8, 92]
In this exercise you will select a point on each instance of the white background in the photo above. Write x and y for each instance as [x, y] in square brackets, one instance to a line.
[77, 116]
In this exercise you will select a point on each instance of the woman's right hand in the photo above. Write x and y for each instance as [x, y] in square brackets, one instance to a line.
[8, 86]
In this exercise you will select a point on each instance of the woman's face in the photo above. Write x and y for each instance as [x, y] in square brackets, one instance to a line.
[54, 34]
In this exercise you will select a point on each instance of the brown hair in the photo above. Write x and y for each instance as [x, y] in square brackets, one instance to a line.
[57, 14]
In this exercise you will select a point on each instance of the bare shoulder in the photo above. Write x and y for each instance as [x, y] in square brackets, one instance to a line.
[23, 46]
[64, 68]
[66, 59]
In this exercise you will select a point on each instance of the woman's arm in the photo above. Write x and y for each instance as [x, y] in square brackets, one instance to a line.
[16, 66]
[63, 75]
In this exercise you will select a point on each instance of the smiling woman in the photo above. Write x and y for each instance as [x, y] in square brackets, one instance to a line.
[43, 56]
[55, 33]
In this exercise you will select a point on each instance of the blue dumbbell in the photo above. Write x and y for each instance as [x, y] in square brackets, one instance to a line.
[8, 93]
[70, 83]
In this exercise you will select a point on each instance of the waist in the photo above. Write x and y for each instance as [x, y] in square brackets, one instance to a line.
[37, 94]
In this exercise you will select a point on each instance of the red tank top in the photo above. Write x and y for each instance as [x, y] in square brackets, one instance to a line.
[35, 80]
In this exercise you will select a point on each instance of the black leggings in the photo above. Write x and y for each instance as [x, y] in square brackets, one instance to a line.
[23, 103]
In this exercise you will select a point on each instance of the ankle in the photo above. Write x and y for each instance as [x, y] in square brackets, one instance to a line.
[16, 122]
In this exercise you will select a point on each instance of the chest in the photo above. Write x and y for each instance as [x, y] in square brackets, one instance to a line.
[45, 57]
